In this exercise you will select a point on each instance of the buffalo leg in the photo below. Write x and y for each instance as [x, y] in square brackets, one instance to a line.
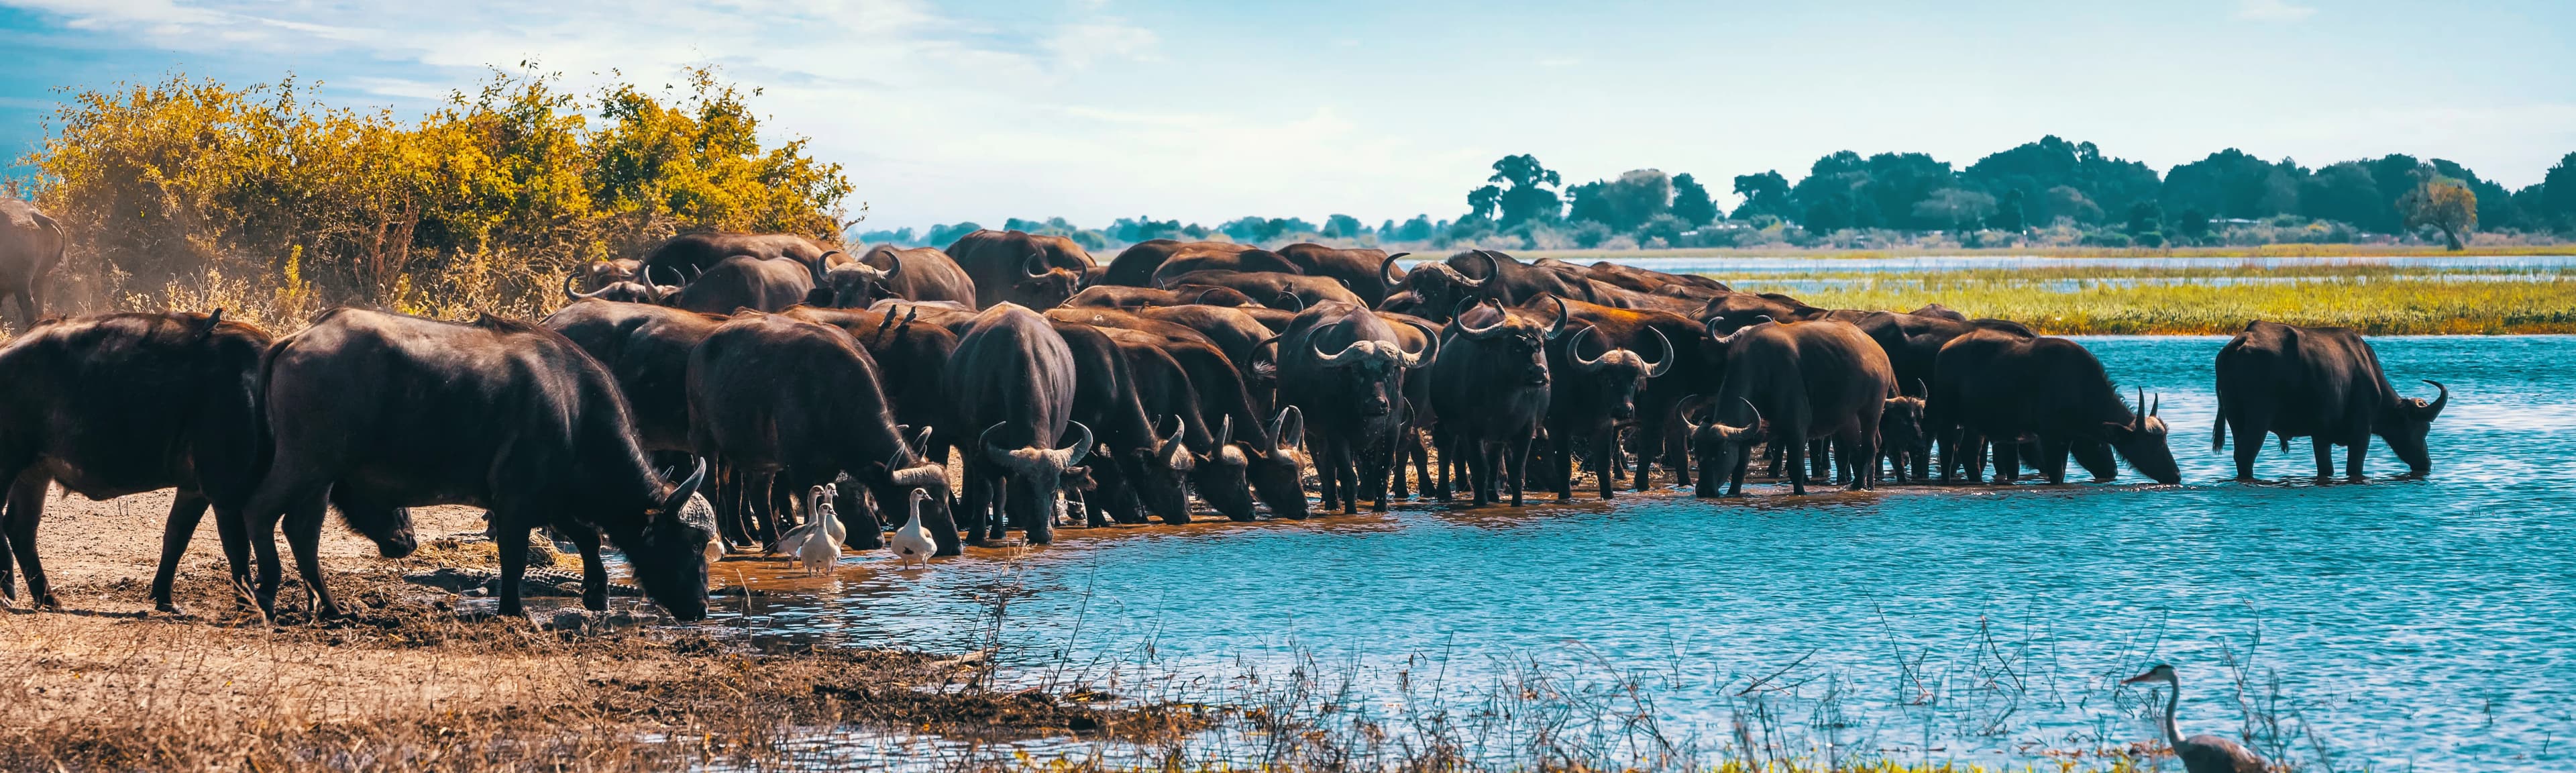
[1328, 469]
[1742, 461]
[27, 310]
[2353, 456]
[594, 573]
[1560, 464]
[2007, 456]
[304, 535]
[26, 507]
[2325, 458]
[1421, 460]
[1608, 446]
[1520, 453]
[728, 504]
[187, 508]
[2052, 460]
[2249, 444]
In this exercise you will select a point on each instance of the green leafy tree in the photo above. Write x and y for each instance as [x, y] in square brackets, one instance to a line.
[2145, 218]
[1524, 195]
[1953, 208]
[1691, 202]
[2443, 204]
[2192, 224]
[1343, 227]
[2008, 215]
[2232, 183]
[1625, 203]
[2068, 202]
[2347, 193]
[1764, 194]
[2557, 197]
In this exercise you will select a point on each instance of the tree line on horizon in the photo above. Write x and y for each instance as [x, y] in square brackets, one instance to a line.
[2049, 191]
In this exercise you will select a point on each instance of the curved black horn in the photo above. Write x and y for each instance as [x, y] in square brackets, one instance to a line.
[1493, 268]
[1224, 433]
[998, 454]
[2435, 408]
[1757, 414]
[1279, 440]
[1664, 365]
[1574, 351]
[1036, 265]
[1292, 297]
[680, 493]
[1430, 347]
[1502, 319]
[1080, 448]
[894, 266]
[1201, 300]
[1558, 329]
[1386, 270]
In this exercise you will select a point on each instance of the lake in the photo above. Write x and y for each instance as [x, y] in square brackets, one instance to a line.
[2399, 624]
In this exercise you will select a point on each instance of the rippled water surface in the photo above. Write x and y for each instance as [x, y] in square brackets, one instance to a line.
[2423, 624]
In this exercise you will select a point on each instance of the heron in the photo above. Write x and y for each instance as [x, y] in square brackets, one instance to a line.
[2199, 753]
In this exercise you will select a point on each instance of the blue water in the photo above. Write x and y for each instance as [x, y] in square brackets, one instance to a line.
[2411, 624]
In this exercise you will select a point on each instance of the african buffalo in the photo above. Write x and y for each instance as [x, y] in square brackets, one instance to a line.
[1356, 269]
[1342, 367]
[126, 403]
[1253, 261]
[1650, 281]
[917, 274]
[1820, 379]
[689, 255]
[646, 348]
[796, 403]
[31, 244]
[1135, 266]
[1013, 376]
[378, 412]
[2000, 386]
[2317, 382]
[1614, 386]
[1479, 274]
[599, 274]
[1105, 398]
[634, 290]
[759, 284]
[1034, 271]
[1490, 387]
[1124, 297]
[1293, 292]
[1272, 469]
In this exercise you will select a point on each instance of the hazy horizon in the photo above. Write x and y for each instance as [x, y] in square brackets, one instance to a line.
[1094, 110]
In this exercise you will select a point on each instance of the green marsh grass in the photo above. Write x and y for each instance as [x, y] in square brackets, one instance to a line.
[2377, 300]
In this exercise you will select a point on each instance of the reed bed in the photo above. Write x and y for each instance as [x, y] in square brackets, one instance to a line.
[2377, 300]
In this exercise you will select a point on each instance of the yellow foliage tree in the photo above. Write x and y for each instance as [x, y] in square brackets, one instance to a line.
[192, 191]
[2443, 204]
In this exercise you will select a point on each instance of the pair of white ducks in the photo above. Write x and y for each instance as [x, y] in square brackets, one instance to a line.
[817, 544]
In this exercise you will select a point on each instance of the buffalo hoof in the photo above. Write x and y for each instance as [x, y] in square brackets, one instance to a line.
[168, 608]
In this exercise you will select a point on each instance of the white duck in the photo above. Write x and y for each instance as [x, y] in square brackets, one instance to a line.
[821, 551]
[911, 542]
[793, 541]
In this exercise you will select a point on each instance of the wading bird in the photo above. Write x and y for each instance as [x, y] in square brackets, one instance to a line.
[2199, 753]
[911, 543]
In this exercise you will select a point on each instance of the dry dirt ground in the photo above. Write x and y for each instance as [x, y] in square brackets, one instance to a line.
[408, 683]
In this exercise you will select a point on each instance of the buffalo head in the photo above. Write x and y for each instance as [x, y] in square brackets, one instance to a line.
[627, 291]
[1220, 474]
[1276, 472]
[1522, 347]
[1721, 447]
[1160, 470]
[1440, 287]
[2405, 423]
[1617, 374]
[1042, 286]
[1900, 426]
[2142, 441]
[1037, 474]
[854, 285]
[670, 556]
[1370, 367]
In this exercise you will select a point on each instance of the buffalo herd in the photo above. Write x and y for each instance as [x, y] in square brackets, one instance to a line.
[757, 368]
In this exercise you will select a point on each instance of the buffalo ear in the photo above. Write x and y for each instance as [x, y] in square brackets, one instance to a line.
[2117, 430]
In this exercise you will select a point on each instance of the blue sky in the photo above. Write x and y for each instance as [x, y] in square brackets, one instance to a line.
[1096, 109]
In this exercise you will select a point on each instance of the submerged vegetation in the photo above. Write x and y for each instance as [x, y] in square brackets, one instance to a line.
[2377, 300]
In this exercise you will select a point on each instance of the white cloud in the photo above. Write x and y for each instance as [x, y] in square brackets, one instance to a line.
[1081, 44]
[1559, 62]
[2273, 10]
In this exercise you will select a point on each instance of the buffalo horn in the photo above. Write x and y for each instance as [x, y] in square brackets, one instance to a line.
[1170, 451]
[1557, 330]
[1035, 265]
[1292, 298]
[1430, 348]
[1502, 319]
[680, 494]
[1493, 268]
[2141, 420]
[1072, 454]
[1575, 350]
[1336, 358]
[998, 454]
[1665, 365]
[2435, 409]
[894, 266]
[1386, 270]
[570, 294]
[1757, 415]
[1224, 433]
[1279, 440]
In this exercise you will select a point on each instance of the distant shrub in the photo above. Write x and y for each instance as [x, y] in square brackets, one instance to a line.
[192, 193]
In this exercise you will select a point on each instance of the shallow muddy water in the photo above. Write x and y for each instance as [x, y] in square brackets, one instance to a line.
[2411, 624]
